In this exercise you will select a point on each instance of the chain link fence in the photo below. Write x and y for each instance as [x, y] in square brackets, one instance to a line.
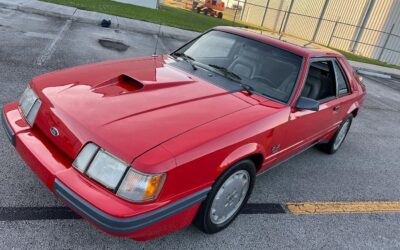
[364, 27]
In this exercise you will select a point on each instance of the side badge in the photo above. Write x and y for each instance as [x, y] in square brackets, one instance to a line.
[275, 148]
[54, 131]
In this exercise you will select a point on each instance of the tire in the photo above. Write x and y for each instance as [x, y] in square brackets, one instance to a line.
[205, 12]
[220, 15]
[207, 219]
[337, 140]
[198, 9]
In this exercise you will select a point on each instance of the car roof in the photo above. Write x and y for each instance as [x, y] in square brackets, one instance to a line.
[293, 44]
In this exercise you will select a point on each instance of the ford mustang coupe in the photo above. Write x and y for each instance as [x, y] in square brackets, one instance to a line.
[143, 147]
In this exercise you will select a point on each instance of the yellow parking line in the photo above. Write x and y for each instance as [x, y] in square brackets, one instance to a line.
[344, 207]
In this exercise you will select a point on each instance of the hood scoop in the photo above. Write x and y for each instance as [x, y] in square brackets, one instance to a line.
[120, 85]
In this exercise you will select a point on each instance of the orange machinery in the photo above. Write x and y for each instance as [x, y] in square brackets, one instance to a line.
[210, 7]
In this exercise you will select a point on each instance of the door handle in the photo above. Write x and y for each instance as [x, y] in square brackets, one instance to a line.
[336, 108]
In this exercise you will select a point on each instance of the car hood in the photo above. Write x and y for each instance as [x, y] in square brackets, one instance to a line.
[128, 106]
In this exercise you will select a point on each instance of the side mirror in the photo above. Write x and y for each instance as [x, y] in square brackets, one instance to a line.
[304, 103]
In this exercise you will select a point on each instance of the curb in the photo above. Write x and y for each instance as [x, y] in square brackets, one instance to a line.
[90, 17]
[375, 70]
[375, 73]
[366, 72]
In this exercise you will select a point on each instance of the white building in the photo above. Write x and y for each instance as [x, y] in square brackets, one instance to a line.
[359, 27]
[144, 3]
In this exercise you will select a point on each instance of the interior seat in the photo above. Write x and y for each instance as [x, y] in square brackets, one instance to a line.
[245, 64]
[313, 84]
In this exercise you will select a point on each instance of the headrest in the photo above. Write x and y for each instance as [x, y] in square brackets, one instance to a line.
[315, 72]
[250, 52]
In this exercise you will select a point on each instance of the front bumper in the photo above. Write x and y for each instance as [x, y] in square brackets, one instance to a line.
[9, 133]
[125, 225]
[100, 207]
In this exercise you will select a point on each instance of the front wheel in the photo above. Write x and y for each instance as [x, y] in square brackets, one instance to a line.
[337, 140]
[227, 197]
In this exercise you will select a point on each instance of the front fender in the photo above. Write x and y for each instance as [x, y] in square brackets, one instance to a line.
[240, 153]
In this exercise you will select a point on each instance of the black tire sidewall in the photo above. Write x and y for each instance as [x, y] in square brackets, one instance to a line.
[331, 149]
[203, 220]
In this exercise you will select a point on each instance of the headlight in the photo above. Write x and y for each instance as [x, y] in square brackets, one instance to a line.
[85, 157]
[140, 187]
[108, 170]
[29, 104]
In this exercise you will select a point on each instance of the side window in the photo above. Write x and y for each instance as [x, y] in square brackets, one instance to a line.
[342, 84]
[320, 84]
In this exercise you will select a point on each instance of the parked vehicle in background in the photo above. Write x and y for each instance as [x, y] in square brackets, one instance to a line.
[144, 147]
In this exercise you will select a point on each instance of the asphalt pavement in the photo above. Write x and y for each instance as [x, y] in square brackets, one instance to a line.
[366, 168]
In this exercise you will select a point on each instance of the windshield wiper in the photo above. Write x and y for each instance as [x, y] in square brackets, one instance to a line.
[247, 87]
[225, 71]
[186, 58]
[231, 75]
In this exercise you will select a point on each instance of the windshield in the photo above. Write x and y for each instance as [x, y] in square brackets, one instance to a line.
[263, 68]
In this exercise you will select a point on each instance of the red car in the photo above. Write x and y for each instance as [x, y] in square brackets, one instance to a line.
[143, 147]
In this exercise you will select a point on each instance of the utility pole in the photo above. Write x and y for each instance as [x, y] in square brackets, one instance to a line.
[364, 21]
[287, 16]
[265, 14]
[386, 42]
[242, 12]
[274, 28]
[321, 18]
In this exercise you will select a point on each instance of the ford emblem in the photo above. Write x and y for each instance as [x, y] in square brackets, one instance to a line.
[54, 131]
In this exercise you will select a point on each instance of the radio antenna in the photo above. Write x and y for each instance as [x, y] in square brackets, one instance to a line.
[157, 38]
[159, 30]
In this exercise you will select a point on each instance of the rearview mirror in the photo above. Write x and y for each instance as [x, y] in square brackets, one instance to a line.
[304, 103]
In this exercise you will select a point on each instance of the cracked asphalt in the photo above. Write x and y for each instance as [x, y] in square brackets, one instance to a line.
[366, 168]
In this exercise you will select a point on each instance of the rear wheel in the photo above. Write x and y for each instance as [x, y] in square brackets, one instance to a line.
[227, 197]
[205, 12]
[220, 15]
[337, 140]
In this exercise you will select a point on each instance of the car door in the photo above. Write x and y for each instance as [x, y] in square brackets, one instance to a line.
[306, 127]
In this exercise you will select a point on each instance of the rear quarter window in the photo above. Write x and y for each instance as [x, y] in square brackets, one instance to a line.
[343, 87]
